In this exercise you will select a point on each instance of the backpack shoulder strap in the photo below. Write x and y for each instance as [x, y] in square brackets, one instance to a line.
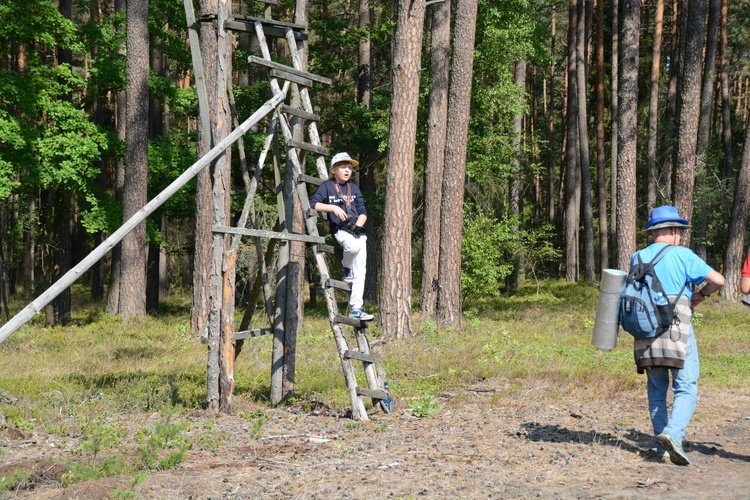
[661, 254]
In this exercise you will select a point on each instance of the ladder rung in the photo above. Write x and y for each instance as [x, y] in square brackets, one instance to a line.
[368, 358]
[245, 334]
[317, 181]
[326, 249]
[307, 147]
[339, 285]
[270, 31]
[350, 321]
[269, 234]
[288, 69]
[300, 112]
[269, 22]
[314, 213]
[285, 75]
[372, 393]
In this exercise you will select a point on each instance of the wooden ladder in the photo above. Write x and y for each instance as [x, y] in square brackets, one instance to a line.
[302, 80]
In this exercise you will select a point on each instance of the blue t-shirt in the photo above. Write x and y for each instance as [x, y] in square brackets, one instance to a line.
[678, 266]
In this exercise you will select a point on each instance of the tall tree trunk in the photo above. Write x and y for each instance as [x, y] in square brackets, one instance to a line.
[440, 34]
[737, 225]
[627, 133]
[449, 309]
[653, 109]
[203, 199]
[709, 84]
[601, 168]
[551, 125]
[615, 120]
[97, 115]
[669, 128]
[516, 172]
[133, 285]
[588, 259]
[573, 165]
[367, 170]
[690, 96]
[726, 105]
[155, 130]
[395, 297]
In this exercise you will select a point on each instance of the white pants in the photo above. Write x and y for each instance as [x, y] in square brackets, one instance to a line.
[355, 258]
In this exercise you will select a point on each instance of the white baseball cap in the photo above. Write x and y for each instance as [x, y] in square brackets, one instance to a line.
[343, 157]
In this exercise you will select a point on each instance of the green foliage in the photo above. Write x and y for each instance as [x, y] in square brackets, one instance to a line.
[424, 406]
[14, 480]
[98, 436]
[486, 244]
[164, 436]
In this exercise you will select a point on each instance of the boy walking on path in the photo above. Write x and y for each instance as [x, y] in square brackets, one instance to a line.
[674, 352]
[343, 202]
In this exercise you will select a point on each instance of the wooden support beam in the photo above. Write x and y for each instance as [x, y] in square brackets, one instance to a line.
[269, 22]
[320, 150]
[372, 393]
[269, 234]
[247, 334]
[71, 276]
[299, 112]
[358, 323]
[316, 181]
[367, 358]
[291, 77]
[288, 69]
[339, 285]
[269, 31]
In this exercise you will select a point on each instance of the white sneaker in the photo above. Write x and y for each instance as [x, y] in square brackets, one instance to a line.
[361, 315]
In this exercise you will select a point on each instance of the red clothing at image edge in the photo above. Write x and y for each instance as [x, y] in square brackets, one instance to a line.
[746, 267]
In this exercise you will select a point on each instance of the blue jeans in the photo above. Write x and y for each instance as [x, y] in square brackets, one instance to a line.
[685, 389]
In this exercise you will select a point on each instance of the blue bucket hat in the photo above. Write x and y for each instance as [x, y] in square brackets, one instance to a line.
[665, 216]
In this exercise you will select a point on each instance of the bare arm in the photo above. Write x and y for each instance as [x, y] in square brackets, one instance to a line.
[745, 284]
[714, 281]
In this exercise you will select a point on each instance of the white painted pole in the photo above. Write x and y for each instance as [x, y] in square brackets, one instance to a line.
[71, 276]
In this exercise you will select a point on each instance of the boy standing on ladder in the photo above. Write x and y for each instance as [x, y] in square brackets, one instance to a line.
[343, 202]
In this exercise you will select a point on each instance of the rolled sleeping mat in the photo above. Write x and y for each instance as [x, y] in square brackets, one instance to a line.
[607, 321]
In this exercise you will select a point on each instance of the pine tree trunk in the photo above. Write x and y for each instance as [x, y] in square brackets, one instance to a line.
[133, 284]
[588, 258]
[572, 155]
[615, 120]
[439, 15]
[627, 133]
[726, 105]
[601, 168]
[395, 297]
[515, 180]
[689, 109]
[653, 111]
[449, 310]
[709, 84]
[366, 170]
[738, 225]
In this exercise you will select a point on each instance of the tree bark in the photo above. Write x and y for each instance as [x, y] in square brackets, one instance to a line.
[395, 298]
[366, 170]
[627, 133]
[726, 105]
[449, 309]
[551, 124]
[615, 120]
[516, 172]
[203, 199]
[689, 109]
[572, 155]
[709, 84]
[440, 32]
[738, 225]
[588, 258]
[653, 110]
[601, 168]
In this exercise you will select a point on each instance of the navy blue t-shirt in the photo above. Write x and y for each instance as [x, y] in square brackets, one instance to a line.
[328, 194]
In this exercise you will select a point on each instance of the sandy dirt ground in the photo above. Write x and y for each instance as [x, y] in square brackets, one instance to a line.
[478, 445]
